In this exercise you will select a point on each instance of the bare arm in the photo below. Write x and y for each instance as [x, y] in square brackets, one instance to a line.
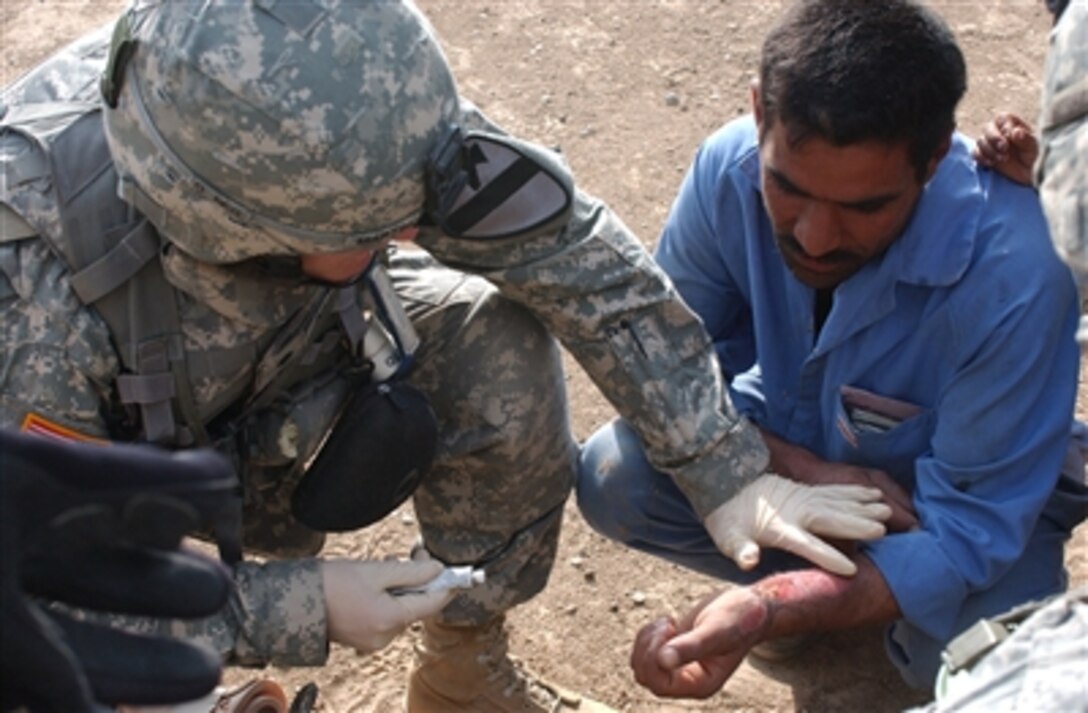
[695, 657]
[813, 600]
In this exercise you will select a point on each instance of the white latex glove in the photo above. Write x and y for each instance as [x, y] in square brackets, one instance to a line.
[361, 611]
[775, 512]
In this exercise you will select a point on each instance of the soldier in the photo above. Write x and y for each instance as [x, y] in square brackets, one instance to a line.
[1060, 169]
[199, 250]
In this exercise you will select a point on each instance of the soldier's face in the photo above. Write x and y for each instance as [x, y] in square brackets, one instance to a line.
[343, 267]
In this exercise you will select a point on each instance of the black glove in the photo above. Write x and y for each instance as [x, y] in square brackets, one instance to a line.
[100, 528]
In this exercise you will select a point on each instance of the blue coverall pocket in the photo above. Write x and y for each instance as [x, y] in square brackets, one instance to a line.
[882, 432]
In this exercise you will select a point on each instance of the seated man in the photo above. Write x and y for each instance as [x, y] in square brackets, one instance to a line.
[886, 312]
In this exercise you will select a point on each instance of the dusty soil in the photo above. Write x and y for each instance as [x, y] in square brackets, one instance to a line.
[627, 88]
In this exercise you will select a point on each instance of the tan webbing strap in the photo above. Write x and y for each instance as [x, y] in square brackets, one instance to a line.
[155, 326]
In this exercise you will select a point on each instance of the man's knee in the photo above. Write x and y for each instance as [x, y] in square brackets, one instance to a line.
[518, 356]
[608, 489]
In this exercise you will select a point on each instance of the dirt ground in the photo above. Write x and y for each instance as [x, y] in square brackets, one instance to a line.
[627, 88]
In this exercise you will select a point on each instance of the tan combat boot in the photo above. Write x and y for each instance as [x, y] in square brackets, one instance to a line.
[468, 669]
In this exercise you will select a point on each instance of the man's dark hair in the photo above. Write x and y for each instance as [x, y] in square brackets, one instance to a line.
[856, 70]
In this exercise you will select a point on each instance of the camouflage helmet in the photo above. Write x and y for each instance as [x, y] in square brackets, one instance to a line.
[263, 127]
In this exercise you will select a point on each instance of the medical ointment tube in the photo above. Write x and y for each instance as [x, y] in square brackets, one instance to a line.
[450, 578]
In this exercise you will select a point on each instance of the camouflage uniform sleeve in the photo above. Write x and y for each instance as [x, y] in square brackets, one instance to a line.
[276, 617]
[600, 293]
[279, 616]
[57, 361]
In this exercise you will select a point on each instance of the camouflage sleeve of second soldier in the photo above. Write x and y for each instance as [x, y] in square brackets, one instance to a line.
[276, 617]
[56, 370]
[600, 293]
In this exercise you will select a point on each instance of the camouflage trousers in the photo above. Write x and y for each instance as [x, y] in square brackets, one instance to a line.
[506, 459]
[1062, 168]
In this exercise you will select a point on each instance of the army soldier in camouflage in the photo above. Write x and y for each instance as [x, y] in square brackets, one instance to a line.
[202, 243]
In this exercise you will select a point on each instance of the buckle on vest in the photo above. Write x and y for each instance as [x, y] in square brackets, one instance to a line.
[967, 648]
[152, 389]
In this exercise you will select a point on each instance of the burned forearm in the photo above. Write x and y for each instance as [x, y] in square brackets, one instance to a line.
[813, 600]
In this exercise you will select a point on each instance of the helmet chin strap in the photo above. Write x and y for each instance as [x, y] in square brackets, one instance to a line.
[122, 45]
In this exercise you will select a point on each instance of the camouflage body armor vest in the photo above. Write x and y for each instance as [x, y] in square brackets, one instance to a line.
[112, 253]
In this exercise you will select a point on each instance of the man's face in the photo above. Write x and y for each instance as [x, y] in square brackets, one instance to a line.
[834, 208]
